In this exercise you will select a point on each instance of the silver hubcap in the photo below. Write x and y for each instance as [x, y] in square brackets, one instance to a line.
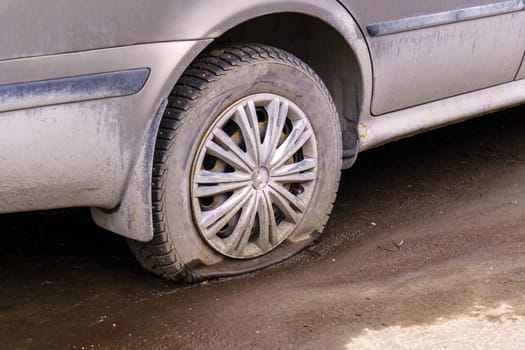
[254, 175]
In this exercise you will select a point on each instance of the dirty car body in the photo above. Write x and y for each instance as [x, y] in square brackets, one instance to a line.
[84, 94]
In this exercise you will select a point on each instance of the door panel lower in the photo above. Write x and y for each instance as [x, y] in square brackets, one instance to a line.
[435, 60]
[424, 65]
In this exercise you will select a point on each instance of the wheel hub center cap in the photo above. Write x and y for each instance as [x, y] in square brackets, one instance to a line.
[260, 178]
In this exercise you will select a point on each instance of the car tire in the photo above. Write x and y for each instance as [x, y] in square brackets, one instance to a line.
[246, 166]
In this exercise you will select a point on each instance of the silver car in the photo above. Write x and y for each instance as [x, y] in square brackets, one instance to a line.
[212, 133]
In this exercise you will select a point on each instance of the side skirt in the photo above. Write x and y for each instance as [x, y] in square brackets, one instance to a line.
[376, 131]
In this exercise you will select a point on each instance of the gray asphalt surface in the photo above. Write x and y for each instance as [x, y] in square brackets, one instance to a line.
[425, 249]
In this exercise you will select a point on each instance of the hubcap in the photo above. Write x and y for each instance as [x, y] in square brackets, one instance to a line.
[254, 175]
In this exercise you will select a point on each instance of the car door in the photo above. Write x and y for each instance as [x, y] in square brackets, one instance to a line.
[425, 50]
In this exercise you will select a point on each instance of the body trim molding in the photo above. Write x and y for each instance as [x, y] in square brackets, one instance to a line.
[440, 18]
[72, 89]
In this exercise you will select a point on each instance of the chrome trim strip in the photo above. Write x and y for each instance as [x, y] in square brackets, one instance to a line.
[435, 19]
[72, 89]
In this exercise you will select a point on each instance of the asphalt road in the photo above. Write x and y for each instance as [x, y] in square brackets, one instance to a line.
[425, 249]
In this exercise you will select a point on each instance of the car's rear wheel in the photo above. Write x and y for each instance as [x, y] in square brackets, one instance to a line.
[247, 165]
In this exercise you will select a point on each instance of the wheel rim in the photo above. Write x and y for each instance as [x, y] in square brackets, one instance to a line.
[254, 175]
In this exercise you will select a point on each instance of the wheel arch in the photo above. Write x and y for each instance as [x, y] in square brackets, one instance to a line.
[338, 62]
[328, 37]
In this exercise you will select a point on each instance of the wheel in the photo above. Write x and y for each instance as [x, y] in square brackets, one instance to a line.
[247, 165]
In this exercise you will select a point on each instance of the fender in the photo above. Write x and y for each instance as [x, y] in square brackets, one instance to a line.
[133, 216]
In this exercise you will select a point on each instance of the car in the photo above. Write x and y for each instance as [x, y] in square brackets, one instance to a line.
[212, 134]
